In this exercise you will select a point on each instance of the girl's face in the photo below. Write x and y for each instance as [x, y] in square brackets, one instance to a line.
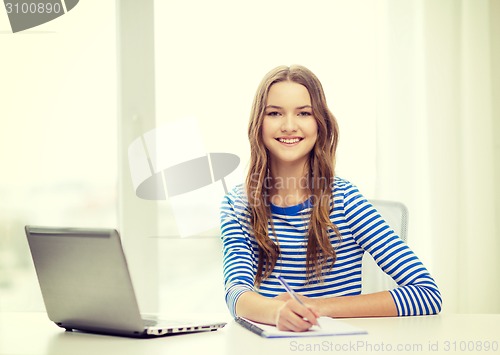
[289, 130]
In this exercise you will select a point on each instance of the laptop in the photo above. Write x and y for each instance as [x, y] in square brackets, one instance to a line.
[86, 284]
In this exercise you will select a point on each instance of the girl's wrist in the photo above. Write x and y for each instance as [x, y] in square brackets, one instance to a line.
[324, 306]
[278, 304]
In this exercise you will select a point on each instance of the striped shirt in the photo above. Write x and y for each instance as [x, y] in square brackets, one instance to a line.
[362, 230]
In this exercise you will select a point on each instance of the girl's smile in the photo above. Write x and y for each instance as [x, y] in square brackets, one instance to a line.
[290, 141]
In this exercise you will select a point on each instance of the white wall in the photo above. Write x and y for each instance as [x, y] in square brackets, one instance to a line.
[210, 57]
[437, 141]
[495, 73]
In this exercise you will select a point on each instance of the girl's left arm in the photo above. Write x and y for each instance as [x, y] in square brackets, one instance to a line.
[380, 304]
[417, 292]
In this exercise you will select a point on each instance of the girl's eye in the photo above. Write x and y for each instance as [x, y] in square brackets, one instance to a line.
[273, 113]
[305, 113]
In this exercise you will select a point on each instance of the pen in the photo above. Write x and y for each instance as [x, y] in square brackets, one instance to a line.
[290, 291]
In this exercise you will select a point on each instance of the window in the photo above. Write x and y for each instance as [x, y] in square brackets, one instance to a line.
[58, 137]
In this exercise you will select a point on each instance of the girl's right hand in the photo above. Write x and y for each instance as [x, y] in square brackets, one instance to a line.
[296, 317]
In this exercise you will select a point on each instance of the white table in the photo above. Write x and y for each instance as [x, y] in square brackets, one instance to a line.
[33, 333]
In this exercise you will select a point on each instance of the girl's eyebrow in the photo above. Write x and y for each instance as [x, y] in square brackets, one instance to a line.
[298, 108]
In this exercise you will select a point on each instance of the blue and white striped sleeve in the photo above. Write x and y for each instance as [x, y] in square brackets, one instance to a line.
[417, 292]
[238, 255]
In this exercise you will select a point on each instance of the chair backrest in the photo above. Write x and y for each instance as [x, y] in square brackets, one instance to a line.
[396, 216]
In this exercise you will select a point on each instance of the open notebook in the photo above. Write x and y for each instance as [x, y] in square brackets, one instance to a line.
[329, 327]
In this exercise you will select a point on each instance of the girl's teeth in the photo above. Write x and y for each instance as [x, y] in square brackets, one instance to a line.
[289, 141]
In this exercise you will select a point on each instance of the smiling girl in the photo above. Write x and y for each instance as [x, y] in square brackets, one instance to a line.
[293, 217]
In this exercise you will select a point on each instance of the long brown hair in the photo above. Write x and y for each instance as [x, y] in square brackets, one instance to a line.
[321, 173]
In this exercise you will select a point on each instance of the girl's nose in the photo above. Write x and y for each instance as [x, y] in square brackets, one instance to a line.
[289, 123]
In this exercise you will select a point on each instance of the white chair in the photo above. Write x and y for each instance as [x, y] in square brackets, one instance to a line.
[396, 216]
